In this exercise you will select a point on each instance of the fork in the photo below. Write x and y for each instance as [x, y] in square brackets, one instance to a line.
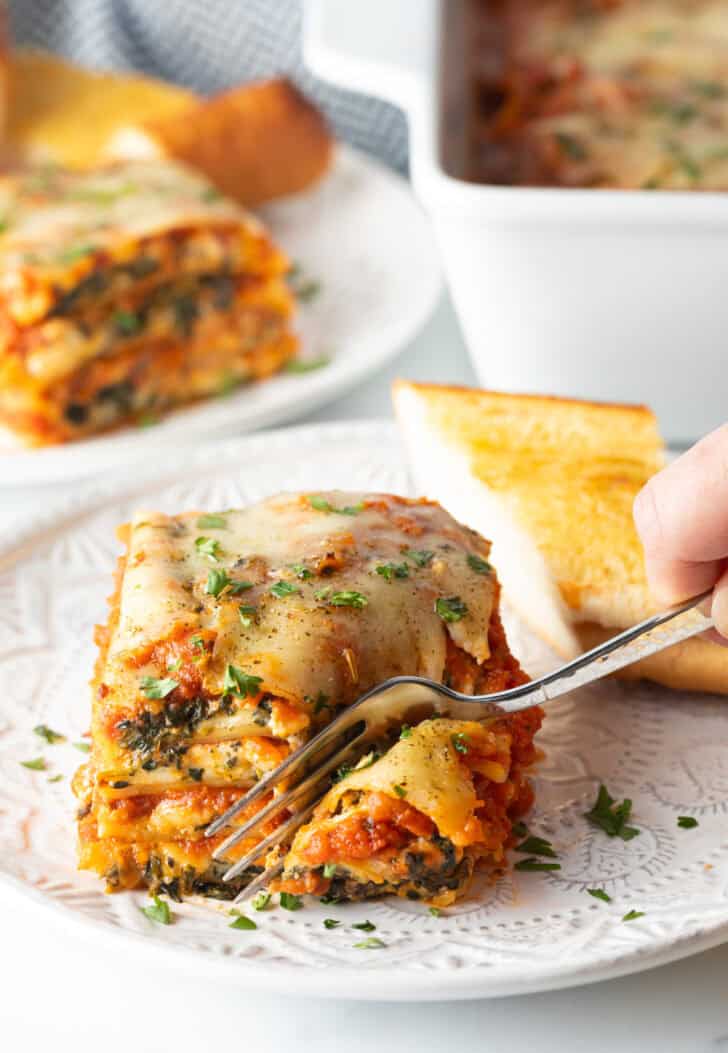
[306, 773]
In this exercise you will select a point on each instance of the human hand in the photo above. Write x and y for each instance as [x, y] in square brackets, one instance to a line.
[682, 520]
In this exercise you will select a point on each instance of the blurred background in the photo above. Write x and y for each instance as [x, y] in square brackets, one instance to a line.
[205, 46]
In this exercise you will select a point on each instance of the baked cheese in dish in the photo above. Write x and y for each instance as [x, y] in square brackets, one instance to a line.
[597, 93]
[127, 290]
[235, 636]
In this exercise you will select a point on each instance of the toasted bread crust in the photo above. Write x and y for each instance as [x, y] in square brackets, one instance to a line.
[257, 142]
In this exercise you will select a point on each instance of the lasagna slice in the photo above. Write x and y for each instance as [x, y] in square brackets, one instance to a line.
[233, 637]
[127, 290]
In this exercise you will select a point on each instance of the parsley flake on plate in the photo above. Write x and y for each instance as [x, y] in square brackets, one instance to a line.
[537, 846]
[612, 817]
[686, 822]
[331, 923]
[388, 571]
[365, 926]
[242, 922]
[261, 900]
[533, 865]
[370, 944]
[306, 365]
[158, 911]
[632, 915]
[84, 747]
[599, 893]
[329, 870]
[38, 764]
[50, 736]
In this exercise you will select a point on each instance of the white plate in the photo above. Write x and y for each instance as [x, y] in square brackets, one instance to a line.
[363, 237]
[528, 932]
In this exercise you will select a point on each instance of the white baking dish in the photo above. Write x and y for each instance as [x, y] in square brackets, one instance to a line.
[617, 295]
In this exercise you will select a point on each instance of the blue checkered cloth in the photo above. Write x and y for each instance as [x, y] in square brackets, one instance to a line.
[205, 45]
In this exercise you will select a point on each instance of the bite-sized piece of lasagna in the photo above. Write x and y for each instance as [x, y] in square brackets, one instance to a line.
[127, 290]
[416, 821]
[596, 93]
[235, 636]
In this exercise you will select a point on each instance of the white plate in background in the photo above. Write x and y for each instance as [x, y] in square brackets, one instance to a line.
[527, 932]
[362, 237]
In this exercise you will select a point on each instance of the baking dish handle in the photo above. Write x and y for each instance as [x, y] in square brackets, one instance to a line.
[380, 47]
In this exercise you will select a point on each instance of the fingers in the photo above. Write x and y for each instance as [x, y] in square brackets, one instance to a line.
[682, 519]
[719, 606]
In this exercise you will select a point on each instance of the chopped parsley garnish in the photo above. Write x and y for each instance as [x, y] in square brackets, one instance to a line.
[686, 822]
[246, 614]
[196, 773]
[392, 570]
[571, 146]
[330, 901]
[599, 893]
[460, 742]
[290, 902]
[51, 737]
[450, 608]
[331, 923]
[308, 291]
[371, 943]
[537, 846]
[158, 911]
[38, 764]
[261, 901]
[306, 365]
[532, 865]
[342, 599]
[281, 589]
[321, 702]
[632, 915]
[405, 732]
[329, 870]
[153, 687]
[55, 778]
[612, 817]
[399, 790]
[322, 505]
[237, 682]
[434, 912]
[241, 922]
[84, 747]
[236, 587]
[420, 557]
[127, 323]
[212, 522]
[365, 926]
[198, 643]
[341, 772]
[479, 565]
[519, 828]
[207, 546]
[301, 572]
[217, 580]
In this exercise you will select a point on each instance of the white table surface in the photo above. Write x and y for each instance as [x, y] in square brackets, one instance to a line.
[57, 994]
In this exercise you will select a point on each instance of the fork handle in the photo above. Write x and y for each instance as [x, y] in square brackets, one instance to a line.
[640, 641]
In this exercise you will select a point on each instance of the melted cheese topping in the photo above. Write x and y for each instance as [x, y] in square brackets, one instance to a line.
[318, 633]
[430, 775]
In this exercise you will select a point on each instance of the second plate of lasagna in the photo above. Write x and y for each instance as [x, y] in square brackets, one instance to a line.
[143, 308]
[255, 590]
